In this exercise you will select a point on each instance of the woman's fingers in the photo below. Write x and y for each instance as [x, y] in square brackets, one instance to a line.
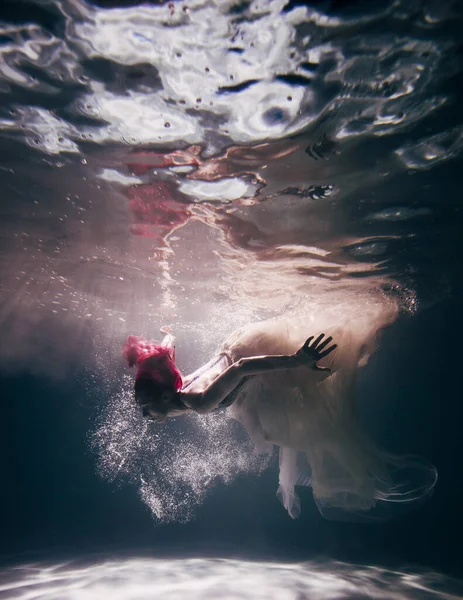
[318, 346]
[328, 351]
[324, 344]
[306, 345]
[317, 341]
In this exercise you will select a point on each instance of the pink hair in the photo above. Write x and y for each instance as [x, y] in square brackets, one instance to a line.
[153, 361]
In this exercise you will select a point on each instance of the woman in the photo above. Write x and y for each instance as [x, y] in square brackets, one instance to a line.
[271, 381]
[161, 392]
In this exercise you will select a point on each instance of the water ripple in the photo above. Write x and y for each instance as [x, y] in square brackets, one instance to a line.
[190, 72]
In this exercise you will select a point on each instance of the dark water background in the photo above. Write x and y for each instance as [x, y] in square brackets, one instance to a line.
[100, 237]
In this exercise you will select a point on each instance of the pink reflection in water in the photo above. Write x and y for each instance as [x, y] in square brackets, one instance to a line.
[157, 209]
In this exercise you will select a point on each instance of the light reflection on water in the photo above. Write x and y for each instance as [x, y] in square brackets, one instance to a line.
[206, 165]
[250, 131]
[220, 578]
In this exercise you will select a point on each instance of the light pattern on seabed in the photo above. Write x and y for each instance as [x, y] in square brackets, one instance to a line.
[220, 578]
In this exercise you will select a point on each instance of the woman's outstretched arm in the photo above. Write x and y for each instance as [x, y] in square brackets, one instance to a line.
[310, 353]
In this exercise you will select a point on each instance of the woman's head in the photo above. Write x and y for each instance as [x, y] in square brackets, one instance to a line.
[154, 398]
[158, 379]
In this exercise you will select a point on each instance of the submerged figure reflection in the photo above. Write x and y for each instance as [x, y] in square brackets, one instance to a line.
[293, 394]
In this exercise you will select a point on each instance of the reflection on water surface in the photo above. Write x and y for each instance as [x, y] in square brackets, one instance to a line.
[277, 150]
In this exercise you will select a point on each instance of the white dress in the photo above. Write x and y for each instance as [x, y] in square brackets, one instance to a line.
[311, 418]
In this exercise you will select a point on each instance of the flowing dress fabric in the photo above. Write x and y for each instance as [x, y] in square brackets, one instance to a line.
[311, 417]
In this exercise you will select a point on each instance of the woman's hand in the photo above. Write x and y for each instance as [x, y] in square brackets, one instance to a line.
[169, 340]
[313, 351]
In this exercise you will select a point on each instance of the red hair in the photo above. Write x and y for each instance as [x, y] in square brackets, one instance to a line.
[153, 361]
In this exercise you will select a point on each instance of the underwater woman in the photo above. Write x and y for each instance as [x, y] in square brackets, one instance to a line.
[297, 394]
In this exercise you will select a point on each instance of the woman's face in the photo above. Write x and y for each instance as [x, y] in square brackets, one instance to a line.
[160, 410]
